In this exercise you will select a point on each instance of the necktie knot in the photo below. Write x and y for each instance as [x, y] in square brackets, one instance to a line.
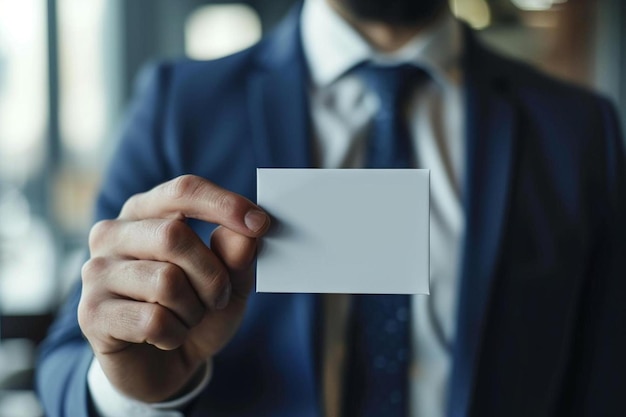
[392, 84]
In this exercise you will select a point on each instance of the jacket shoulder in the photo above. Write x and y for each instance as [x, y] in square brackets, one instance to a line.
[185, 75]
[533, 82]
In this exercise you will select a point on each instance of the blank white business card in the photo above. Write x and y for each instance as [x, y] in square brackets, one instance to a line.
[356, 231]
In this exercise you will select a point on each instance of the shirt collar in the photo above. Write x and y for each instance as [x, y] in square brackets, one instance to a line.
[332, 46]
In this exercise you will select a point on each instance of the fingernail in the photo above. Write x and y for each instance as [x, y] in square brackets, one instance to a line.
[224, 298]
[255, 220]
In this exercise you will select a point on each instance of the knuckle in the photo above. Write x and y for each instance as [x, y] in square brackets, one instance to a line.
[156, 322]
[87, 312]
[173, 290]
[174, 236]
[218, 278]
[217, 272]
[131, 203]
[183, 186]
[99, 232]
[168, 283]
[93, 268]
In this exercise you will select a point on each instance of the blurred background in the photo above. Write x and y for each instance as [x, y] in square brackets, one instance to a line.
[66, 73]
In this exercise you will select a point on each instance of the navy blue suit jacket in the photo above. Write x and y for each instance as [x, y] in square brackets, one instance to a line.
[542, 311]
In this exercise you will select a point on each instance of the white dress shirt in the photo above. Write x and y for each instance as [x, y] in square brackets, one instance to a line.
[341, 110]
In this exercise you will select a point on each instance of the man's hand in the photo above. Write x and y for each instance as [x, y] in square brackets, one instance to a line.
[156, 301]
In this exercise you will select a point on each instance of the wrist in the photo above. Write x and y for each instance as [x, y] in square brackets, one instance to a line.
[109, 402]
[191, 390]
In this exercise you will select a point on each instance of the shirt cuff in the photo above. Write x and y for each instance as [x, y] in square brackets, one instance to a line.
[109, 402]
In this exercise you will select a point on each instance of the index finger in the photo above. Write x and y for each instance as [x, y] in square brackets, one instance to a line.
[190, 196]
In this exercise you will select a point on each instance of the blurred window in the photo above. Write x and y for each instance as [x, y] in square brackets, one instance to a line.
[27, 253]
[536, 4]
[23, 89]
[474, 12]
[27, 257]
[218, 30]
[84, 113]
[83, 106]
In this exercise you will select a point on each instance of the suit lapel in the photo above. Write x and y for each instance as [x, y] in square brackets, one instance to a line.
[278, 100]
[491, 124]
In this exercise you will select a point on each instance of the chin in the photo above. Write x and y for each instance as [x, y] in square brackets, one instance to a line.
[395, 12]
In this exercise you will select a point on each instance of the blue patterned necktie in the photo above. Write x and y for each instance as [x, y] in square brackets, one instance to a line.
[379, 349]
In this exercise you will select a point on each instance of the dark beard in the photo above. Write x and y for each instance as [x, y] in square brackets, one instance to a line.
[394, 12]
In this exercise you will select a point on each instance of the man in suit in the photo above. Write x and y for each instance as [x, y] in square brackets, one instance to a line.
[528, 269]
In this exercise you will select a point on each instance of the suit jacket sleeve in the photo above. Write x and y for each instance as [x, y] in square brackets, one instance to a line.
[137, 165]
